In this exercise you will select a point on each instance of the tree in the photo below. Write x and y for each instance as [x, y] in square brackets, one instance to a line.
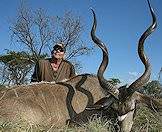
[15, 67]
[36, 31]
[114, 81]
[153, 88]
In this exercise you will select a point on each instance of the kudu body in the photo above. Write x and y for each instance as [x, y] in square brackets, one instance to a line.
[49, 103]
[123, 104]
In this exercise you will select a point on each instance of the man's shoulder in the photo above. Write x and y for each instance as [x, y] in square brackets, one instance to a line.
[68, 62]
[44, 60]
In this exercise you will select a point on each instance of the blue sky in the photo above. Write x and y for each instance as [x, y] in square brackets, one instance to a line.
[120, 24]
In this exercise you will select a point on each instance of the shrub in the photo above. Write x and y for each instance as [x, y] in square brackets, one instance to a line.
[147, 121]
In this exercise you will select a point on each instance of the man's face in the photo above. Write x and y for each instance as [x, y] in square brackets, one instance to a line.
[58, 51]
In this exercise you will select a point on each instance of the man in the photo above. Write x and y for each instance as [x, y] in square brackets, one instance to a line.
[54, 68]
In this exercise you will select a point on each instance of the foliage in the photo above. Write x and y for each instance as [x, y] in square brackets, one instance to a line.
[147, 121]
[114, 81]
[15, 66]
[153, 89]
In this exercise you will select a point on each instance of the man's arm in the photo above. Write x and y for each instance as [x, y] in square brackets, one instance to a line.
[35, 77]
[72, 71]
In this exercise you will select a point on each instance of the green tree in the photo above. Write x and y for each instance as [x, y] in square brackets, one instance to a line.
[15, 67]
[153, 88]
[114, 81]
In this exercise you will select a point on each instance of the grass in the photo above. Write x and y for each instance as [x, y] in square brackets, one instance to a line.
[94, 125]
[144, 121]
[147, 121]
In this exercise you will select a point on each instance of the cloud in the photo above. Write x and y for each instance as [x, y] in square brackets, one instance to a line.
[133, 74]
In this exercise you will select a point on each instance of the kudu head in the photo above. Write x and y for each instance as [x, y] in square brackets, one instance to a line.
[126, 98]
[122, 96]
[124, 91]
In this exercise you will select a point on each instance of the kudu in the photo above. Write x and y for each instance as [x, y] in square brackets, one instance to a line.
[53, 103]
[122, 105]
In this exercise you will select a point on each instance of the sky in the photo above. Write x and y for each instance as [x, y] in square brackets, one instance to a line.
[120, 25]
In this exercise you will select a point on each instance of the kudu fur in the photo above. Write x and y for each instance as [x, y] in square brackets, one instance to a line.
[123, 102]
[49, 103]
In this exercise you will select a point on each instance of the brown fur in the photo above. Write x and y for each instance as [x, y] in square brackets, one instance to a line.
[46, 103]
[128, 108]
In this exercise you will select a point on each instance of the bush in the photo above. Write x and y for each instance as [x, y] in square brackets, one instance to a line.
[147, 121]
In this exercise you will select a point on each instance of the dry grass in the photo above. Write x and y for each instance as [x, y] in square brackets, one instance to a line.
[94, 125]
[145, 121]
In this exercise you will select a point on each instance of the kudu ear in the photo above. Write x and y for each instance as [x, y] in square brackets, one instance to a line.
[102, 104]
